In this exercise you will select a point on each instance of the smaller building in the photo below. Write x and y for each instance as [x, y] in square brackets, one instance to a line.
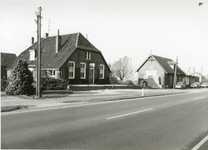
[189, 79]
[7, 60]
[200, 77]
[158, 72]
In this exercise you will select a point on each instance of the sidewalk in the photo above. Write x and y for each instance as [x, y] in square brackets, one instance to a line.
[10, 103]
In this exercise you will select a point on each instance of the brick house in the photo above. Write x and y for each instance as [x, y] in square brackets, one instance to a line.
[158, 72]
[7, 60]
[71, 57]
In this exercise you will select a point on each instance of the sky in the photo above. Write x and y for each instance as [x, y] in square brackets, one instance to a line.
[118, 28]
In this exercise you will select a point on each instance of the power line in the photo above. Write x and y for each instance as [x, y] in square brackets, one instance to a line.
[7, 41]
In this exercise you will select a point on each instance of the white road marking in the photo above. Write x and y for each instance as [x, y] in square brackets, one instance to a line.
[136, 112]
[199, 98]
[200, 143]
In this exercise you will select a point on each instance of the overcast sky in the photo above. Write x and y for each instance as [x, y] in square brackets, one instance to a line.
[134, 28]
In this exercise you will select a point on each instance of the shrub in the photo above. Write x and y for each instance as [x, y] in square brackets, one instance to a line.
[128, 82]
[49, 83]
[79, 81]
[102, 81]
[113, 80]
[21, 80]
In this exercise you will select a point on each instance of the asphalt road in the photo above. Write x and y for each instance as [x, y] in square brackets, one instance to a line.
[174, 122]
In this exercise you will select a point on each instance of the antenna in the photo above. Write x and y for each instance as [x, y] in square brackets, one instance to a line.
[49, 26]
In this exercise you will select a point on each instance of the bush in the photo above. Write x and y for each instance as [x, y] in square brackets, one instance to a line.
[113, 80]
[79, 81]
[102, 81]
[128, 82]
[21, 80]
[49, 83]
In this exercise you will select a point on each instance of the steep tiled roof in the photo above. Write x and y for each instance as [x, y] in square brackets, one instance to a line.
[69, 43]
[164, 64]
[7, 59]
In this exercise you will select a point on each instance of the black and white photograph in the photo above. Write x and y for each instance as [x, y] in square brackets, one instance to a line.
[104, 74]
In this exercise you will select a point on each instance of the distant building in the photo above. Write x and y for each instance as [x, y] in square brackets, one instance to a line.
[158, 72]
[69, 56]
[7, 60]
[201, 78]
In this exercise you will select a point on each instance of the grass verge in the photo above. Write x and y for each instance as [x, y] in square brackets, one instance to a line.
[12, 108]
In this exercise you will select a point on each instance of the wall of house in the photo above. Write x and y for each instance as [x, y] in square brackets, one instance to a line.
[153, 70]
[79, 56]
[3, 72]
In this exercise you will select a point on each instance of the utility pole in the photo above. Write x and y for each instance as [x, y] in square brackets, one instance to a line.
[175, 73]
[38, 61]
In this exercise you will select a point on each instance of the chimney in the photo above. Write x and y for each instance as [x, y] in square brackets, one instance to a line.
[32, 40]
[46, 35]
[58, 42]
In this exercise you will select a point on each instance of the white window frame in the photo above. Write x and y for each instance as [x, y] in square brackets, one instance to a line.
[73, 69]
[52, 73]
[103, 71]
[32, 54]
[82, 63]
[88, 55]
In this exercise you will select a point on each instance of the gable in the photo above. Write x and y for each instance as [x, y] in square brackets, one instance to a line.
[83, 43]
[164, 64]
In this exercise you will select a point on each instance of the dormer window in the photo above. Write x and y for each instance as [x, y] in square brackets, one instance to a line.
[87, 55]
[32, 54]
[171, 64]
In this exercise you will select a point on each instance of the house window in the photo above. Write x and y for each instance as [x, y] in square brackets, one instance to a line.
[102, 68]
[32, 54]
[82, 70]
[87, 55]
[51, 73]
[71, 69]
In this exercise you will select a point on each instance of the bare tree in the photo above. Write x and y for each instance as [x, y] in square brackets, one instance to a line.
[122, 68]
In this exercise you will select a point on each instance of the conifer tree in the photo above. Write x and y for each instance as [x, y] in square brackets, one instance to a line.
[21, 80]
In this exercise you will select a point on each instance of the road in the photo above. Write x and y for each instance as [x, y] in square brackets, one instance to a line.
[160, 123]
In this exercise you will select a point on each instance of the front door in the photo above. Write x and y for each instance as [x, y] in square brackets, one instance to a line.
[91, 73]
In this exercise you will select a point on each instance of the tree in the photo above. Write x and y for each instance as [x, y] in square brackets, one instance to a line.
[21, 79]
[122, 68]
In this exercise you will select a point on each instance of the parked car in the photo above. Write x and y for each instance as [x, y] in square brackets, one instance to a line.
[204, 85]
[180, 85]
[195, 85]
